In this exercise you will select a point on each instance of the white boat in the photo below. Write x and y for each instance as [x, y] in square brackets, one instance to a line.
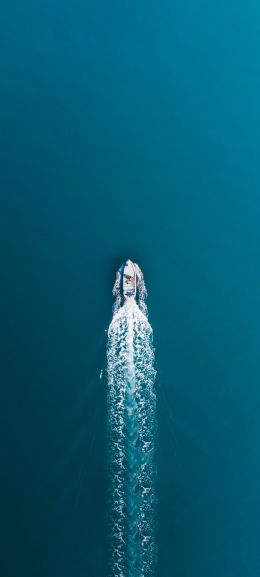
[127, 280]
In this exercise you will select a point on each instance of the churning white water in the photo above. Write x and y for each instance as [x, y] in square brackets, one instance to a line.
[131, 437]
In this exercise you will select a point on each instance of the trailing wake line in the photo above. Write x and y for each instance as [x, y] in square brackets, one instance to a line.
[131, 430]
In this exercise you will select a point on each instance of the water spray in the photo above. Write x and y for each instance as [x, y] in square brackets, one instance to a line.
[131, 429]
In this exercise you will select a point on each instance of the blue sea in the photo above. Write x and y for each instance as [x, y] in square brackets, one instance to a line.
[129, 130]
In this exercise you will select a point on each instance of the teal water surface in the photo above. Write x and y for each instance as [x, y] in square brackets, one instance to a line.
[129, 130]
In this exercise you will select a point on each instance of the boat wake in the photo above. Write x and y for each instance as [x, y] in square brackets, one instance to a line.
[131, 440]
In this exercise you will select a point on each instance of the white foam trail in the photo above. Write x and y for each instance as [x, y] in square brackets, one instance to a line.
[131, 432]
